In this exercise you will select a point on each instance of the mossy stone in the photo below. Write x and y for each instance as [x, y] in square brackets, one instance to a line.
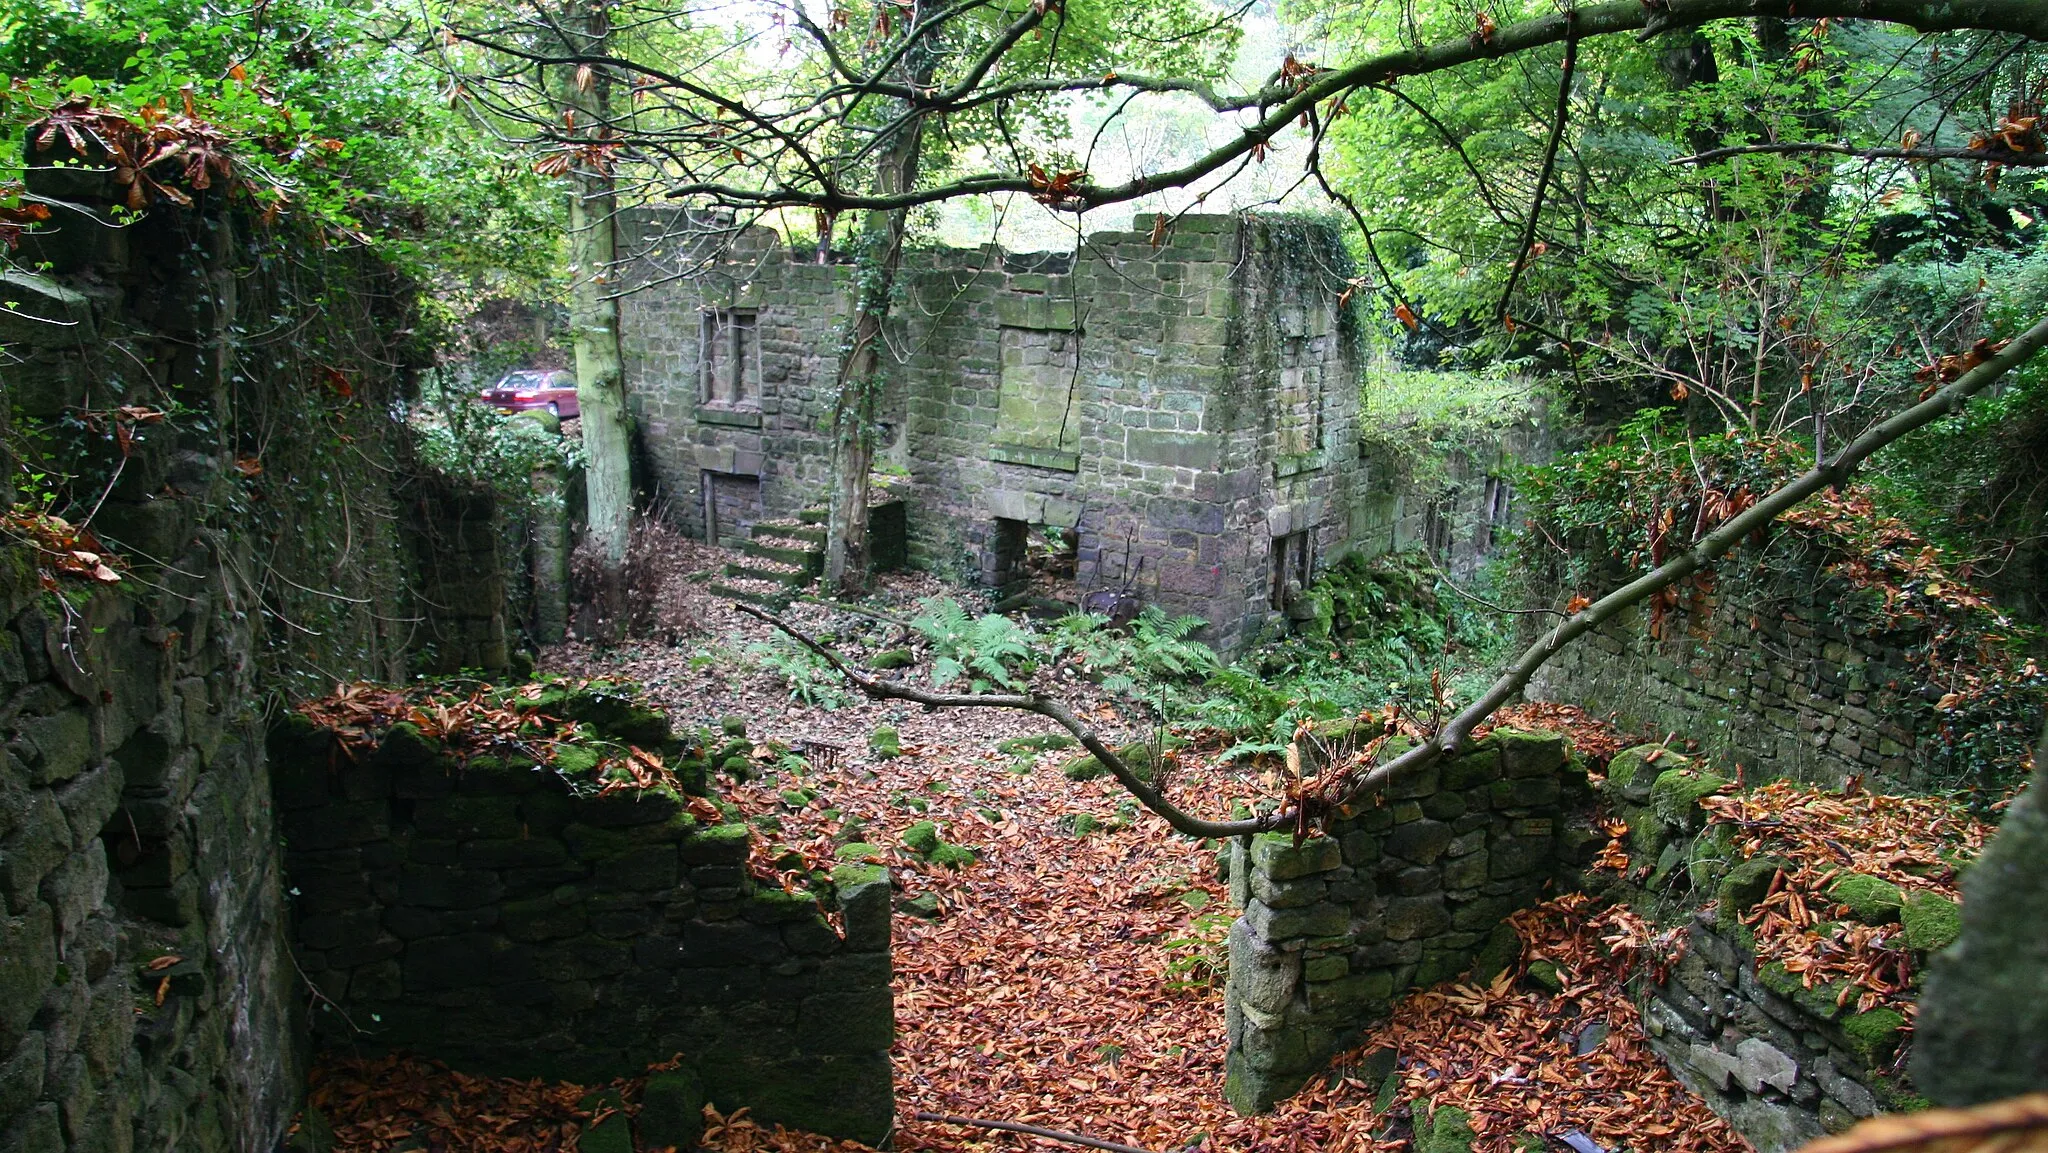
[921, 838]
[1632, 772]
[1545, 975]
[405, 747]
[733, 726]
[924, 906]
[1744, 886]
[576, 761]
[672, 1110]
[952, 856]
[1676, 794]
[1873, 1036]
[1932, 921]
[1449, 1130]
[885, 743]
[888, 660]
[857, 851]
[1499, 951]
[1871, 900]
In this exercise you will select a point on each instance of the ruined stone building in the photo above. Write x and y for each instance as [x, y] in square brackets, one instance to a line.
[1181, 415]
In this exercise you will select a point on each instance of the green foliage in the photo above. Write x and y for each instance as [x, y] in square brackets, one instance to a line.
[326, 115]
[1156, 650]
[808, 677]
[989, 651]
[1199, 959]
[467, 441]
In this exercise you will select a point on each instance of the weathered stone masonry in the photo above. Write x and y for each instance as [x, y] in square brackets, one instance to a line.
[1188, 409]
[1775, 675]
[487, 915]
[1401, 895]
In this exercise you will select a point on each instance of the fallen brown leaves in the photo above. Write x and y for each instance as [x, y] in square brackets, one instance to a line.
[380, 1103]
[1916, 843]
[61, 549]
[1524, 1061]
[1069, 982]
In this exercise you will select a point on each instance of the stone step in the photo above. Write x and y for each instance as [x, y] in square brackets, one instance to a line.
[762, 569]
[761, 594]
[809, 555]
[790, 530]
[813, 515]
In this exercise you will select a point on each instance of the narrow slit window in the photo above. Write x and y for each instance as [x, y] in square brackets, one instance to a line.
[729, 356]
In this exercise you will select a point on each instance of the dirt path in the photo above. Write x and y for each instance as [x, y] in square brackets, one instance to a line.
[1059, 985]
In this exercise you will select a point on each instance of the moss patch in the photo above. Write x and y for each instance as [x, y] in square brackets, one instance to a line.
[1871, 900]
[1873, 1036]
[1676, 795]
[1932, 921]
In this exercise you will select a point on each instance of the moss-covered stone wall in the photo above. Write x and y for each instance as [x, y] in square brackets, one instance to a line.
[493, 914]
[159, 390]
[1405, 893]
[1773, 674]
[1784, 1063]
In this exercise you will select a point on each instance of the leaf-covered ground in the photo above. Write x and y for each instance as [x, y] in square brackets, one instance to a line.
[1069, 979]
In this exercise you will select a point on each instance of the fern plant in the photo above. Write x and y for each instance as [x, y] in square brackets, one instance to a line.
[806, 675]
[989, 651]
[1155, 653]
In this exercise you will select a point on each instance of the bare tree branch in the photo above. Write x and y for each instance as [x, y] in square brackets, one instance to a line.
[1044, 706]
[1701, 555]
[1982, 155]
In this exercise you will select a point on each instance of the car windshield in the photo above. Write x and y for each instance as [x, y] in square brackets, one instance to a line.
[523, 380]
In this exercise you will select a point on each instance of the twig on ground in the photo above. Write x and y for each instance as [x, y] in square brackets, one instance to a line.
[1032, 1130]
[1046, 707]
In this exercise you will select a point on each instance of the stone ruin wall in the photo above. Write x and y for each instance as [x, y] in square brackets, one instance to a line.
[489, 916]
[1181, 406]
[1404, 894]
[1416, 890]
[1773, 675]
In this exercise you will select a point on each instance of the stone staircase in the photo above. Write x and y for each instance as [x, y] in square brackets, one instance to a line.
[778, 559]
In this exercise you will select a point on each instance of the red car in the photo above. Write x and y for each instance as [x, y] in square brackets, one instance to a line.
[534, 388]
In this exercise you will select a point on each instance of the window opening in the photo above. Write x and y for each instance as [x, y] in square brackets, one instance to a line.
[729, 359]
[1292, 561]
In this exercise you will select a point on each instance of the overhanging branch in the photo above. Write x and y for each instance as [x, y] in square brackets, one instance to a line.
[1044, 706]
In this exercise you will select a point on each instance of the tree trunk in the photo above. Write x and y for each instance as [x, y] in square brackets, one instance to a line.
[594, 324]
[858, 386]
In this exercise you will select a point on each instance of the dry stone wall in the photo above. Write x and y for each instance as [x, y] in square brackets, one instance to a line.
[147, 1000]
[1186, 407]
[1784, 1063]
[1404, 894]
[490, 915]
[1774, 675]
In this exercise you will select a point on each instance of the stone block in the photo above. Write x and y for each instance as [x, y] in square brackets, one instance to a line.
[1525, 793]
[1352, 997]
[1420, 841]
[28, 963]
[40, 842]
[1415, 918]
[1758, 1064]
[543, 919]
[671, 1110]
[1529, 754]
[1277, 855]
[63, 743]
[89, 801]
[1287, 894]
[1261, 976]
[1465, 872]
[463, 818]
[1275, 925]
[847, 1020]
